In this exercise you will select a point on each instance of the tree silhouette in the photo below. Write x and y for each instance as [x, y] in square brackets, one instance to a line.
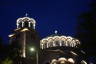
[1, 49]
[7, 61]
[1, 42]
[86, 30]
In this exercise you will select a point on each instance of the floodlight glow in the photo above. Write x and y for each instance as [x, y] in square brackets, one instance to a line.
[71, 60]
[11, 35]
[32, 49]
[25, 29]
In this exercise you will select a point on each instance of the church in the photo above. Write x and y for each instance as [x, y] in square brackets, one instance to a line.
[28, 48]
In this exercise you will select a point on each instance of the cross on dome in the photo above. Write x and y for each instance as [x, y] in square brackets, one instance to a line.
[26, 14]
[55, 31]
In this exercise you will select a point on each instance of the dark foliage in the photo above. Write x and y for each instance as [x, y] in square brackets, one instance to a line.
[86, 30]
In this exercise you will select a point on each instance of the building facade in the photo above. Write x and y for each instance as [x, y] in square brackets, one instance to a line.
[60, 49]
[54, 49]
[23, 38]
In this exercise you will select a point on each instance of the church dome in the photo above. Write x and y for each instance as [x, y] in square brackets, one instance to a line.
[26, 22]
[59, 41]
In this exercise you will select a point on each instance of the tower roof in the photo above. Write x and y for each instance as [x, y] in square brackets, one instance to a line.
[26, 19]
[21, 22]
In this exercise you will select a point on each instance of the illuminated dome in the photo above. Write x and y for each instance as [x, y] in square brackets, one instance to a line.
[59, 41]
[26, 22]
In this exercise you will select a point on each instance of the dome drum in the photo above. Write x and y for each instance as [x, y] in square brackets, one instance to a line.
[54, 41]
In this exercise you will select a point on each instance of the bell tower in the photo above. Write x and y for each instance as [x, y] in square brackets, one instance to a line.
[25, 37]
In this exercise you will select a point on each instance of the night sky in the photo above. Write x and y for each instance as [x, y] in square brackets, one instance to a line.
[50, 15]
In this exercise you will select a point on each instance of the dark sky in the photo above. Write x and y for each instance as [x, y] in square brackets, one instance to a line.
[50, 15]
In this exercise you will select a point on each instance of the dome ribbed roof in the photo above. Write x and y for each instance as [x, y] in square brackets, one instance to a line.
[24, 19]
[58, 40]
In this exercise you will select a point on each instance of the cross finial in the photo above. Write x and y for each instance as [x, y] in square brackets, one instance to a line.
[56, 31]
[26, 14]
